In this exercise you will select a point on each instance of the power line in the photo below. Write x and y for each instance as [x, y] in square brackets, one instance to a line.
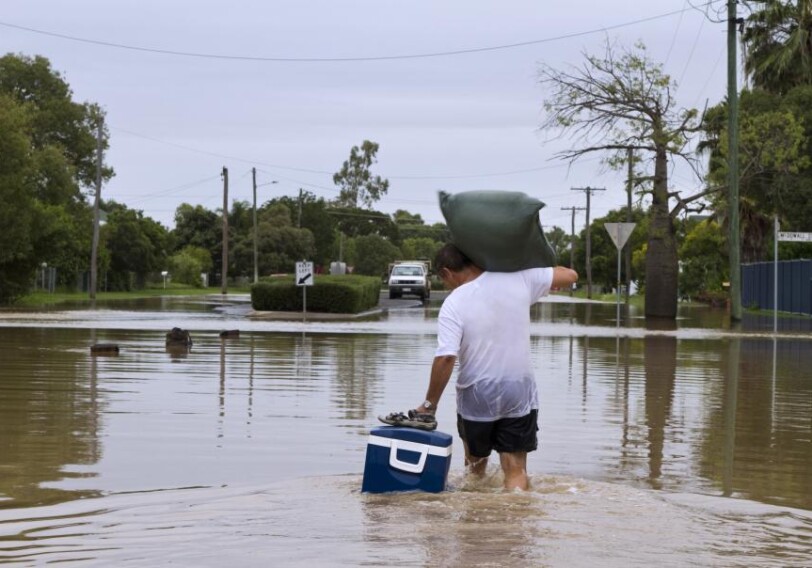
[344, 59]
[673, 39]
[179, 188]
[325, 172]
[693, 49]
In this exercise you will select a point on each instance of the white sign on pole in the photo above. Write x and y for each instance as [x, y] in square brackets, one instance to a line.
[304, 273]
[619, 232]
[795, 237]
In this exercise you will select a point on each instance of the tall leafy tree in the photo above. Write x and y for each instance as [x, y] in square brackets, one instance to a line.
[137, 246]
[281, 244]
[704, 269]
[420, 248]
[45, 190]
[624, 100]
[560, 241]
[57, 120]
[356, 183]
[777, 42]
[315, 217]
[196, 226]
[373, 254]
[18, 207]
[775, 164]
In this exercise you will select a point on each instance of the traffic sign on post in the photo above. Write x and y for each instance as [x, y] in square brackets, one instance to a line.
[304, 277]
[620, 233]
[304, 273]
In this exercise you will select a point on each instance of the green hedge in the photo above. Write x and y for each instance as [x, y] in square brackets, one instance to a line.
[346, 294]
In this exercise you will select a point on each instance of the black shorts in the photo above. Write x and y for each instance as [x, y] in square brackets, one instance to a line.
[504, 435]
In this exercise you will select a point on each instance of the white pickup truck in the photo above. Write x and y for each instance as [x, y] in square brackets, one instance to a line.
[409, 277]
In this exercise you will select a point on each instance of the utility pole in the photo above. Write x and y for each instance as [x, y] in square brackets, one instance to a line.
[256, 256]
[94, 250]
[588, 191]
[629, 185]
[733, 164]
[299, 222]
[572, 236]
[224, 270]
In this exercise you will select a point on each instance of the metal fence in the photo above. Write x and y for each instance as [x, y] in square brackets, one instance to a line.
[794, 286]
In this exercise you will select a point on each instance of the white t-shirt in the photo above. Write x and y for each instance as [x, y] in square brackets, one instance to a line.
[485, 323]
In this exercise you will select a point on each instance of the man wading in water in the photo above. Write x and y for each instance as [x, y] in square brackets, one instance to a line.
[485, 323]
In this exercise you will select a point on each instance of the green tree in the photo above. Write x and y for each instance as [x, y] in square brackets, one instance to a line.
[196, 226]
[188, 264]
[356, 183]
[703, 267]
[281, 244]
[18, 209]
[775, 164]
[560, 241]
[620, 101]
[137, 246]
[403, 217]
[57, 121]
[241, 239]
[437, 232]
[412, 226]
[315, 217]
[355, 222]
[420, 248]
[777, 42]
[44, 192]
[373, 254]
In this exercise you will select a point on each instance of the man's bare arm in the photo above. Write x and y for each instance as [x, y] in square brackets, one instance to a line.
[441, 369]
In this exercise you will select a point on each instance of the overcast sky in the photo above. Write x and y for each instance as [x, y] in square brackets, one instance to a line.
[452, 122]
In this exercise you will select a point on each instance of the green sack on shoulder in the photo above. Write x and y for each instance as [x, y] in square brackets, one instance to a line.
[499, 231]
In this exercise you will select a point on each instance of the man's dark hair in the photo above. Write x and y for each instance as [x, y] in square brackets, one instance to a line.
[452, 258]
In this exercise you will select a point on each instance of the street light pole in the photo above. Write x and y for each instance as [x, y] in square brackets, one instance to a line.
[256, 254]
[94, 250]
[256, 265]
[224, 267]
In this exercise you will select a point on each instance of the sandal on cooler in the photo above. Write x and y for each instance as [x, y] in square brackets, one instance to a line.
[411, 420]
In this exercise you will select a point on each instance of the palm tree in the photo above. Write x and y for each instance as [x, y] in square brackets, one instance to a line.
[777, 43]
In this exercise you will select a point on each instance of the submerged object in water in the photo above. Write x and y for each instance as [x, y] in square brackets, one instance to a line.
[104, 349]
[178, 336]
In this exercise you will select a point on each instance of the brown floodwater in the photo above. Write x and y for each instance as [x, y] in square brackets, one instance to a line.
[660, 445]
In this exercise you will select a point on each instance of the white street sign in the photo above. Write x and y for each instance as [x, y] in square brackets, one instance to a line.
[795, 237]
[620, 232]
[304, 273]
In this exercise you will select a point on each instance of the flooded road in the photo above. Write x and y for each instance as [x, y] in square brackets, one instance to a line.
[670, 446]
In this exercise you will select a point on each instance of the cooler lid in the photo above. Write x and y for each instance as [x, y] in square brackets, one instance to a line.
[434, 438]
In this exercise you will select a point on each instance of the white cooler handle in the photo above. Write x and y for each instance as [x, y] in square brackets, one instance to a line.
[421, 449]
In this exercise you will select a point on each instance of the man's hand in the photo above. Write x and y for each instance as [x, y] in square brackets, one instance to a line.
[563, 278]
[423, 410]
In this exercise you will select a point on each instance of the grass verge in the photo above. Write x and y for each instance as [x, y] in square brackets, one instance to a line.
[37, 299]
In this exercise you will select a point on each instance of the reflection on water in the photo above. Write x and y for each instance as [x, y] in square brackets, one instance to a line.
[247, 447]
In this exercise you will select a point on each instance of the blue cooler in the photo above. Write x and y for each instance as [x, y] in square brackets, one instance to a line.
[406, 459]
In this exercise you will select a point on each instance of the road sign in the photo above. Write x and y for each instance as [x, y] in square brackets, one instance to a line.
[795, 237]
[304, 273]
[620, 232]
